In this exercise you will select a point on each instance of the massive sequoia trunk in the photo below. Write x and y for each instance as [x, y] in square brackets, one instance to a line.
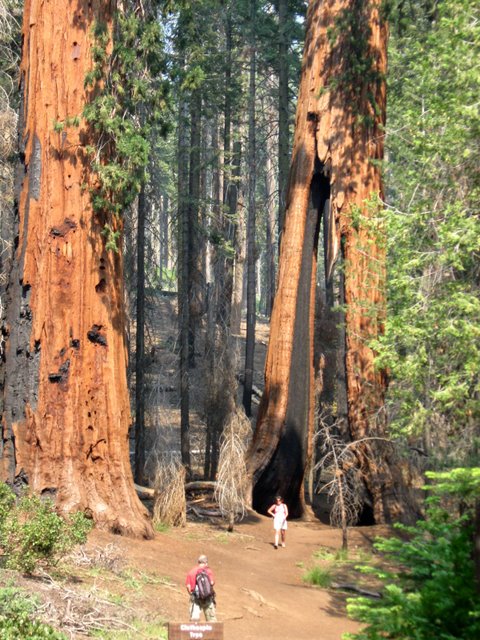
[66, 406]
[338, 145]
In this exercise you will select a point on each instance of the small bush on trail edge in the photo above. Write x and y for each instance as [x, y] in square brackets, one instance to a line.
[16, 618]
[318, 576]
[31, 532]
[431, 594]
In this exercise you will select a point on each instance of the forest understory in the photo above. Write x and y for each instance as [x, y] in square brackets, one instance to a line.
[162, 402]
[240, 259]
[119, 589]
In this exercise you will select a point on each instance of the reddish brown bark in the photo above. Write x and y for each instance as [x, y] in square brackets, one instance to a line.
[66, 418]
[350, 140]
[338, 136]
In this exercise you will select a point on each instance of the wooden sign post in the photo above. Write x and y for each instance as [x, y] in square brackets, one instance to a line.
[195, 631]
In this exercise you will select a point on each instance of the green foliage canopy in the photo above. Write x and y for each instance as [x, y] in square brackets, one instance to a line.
[130, 90]
[432, 341]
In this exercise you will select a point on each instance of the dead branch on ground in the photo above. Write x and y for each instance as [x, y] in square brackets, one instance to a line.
[78, 613]
[109, 557]
[201, 485]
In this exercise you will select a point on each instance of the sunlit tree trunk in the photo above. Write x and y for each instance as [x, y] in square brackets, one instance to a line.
[337, 147]
[67, 414]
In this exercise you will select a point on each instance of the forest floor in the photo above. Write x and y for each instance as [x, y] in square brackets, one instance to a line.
[119, 589]
[130, 589]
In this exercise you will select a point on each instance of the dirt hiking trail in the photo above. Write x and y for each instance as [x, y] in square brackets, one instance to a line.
[260, 592]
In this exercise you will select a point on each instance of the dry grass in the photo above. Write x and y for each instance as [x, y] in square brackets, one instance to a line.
[170, 507]
[232, 482]
[108, 557]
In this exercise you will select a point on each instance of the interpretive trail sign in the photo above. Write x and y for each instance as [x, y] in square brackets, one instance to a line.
[195, 631]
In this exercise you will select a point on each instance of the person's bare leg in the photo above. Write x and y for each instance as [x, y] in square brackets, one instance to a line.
[283, 537]
[276, 538]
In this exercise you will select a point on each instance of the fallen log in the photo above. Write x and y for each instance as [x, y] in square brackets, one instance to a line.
[147, 493]
[201, 512]
[353, 587]
[200, 485]
[144, 493]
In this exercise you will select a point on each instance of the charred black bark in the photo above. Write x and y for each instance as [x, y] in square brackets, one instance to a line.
[285, 472]
[19, 365]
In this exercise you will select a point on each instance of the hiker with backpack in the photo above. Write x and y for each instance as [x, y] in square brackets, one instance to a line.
[199, 584]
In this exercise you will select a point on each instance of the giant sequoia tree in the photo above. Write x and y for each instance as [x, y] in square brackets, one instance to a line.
[66, 408]
[334, 173]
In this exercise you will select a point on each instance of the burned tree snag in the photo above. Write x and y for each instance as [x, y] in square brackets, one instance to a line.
[66, 407]
[338, 146]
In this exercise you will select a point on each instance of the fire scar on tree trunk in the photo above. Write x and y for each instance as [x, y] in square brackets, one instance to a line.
[338, 145]
[66, 406]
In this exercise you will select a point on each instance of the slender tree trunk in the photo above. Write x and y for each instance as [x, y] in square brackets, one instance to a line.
[283, 112]
[270, 234]
[203, 211]
[67, 414]
[209, 398]
[164, 239]
[476, 543]
[251, 250]
[240, 250]
[183, 284]
[210, 338]
[195, 283]
[140, 344]
[339, 130]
